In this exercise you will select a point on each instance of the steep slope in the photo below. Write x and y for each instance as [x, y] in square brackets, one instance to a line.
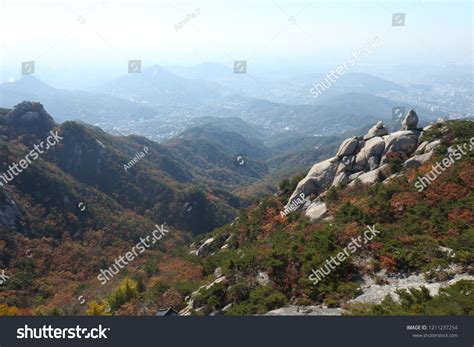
[74, 209]
[272, 256]
[137, 173]
[226, 157]
[230, 140]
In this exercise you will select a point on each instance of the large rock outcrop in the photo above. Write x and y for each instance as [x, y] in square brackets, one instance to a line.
[318, 178]
[377, 130]
[411, 121]
[364, 159]
[401, 143]
[316, 210]
[10, 213]
[348, 147]
[30, 118]
[371, 153]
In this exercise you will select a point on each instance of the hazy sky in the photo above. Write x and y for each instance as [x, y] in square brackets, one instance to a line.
[99, 37]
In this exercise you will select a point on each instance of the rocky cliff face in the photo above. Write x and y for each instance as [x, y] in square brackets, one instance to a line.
[30, 118]
[366, 159]
[10, 213]
[88, 159]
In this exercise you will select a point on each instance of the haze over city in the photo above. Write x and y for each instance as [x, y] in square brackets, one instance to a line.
[79, 44]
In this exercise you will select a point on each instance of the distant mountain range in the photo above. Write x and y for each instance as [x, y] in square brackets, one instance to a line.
[160, 104]
[203, 116]
[332, 115]
[73, 104]
[156, 87]
[285, 89]
[206, 125]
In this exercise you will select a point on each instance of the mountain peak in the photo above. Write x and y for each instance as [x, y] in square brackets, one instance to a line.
[30, 118]
[28, 83]
[365, 159]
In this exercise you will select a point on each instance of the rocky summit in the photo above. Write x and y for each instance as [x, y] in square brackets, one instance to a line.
[364, 159]
[30, 118]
